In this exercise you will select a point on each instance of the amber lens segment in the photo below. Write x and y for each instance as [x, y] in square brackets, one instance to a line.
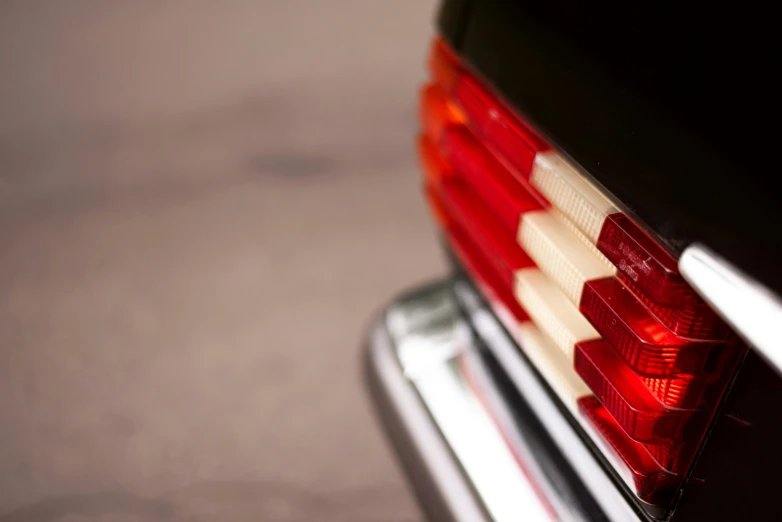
[437, 112]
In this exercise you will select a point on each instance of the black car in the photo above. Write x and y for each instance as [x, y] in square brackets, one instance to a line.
[608, 345]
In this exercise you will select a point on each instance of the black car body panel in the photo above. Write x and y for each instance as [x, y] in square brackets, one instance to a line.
[668, 109]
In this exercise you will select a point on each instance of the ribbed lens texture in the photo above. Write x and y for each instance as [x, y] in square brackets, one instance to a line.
[652, 274]
[551, 311]
[560, 254]
[652, 483]
[695, 320]
[435, 168]
[643, 341]
[626, 397]
[563, 187]
[676, 392]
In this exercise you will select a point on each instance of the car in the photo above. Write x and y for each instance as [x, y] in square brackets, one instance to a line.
[607, 345]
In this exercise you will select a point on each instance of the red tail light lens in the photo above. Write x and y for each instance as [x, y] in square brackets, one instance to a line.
[599, 290]
[488, 178]
[647, 346]
[494, 125]
[478, 223]
[480, 268]
[626, 397]
[652, 483]
[652, 273]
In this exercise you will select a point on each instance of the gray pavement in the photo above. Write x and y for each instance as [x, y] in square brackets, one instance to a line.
[201, 205]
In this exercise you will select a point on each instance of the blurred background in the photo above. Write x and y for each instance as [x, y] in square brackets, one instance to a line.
[202, 203]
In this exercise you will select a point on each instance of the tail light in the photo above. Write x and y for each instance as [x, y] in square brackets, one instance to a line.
[598, 304]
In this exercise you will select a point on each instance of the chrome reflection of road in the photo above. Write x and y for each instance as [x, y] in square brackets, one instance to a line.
[201, 204]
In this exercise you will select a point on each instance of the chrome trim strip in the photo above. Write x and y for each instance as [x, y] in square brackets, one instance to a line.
[749, 307]
[478, 445]
[457, 501]
[428, 335]
[603, 488]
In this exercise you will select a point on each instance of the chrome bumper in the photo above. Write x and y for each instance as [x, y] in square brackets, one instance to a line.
[469, 455]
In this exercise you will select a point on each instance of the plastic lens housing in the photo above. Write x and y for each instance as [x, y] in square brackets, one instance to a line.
[626, 397]
[646, 344]
[595, 303]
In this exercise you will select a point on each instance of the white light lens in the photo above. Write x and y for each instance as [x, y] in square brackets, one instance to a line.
[560, 254]
[552, 311]
[581, 237]
[571, 193]
[553, 365]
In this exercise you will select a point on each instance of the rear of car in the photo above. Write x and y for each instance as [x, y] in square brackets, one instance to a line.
[606, 348]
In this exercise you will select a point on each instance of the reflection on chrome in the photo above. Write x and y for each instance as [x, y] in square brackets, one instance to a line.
[437, 349]
[749, 307]
[494, 337]
[431, 339]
